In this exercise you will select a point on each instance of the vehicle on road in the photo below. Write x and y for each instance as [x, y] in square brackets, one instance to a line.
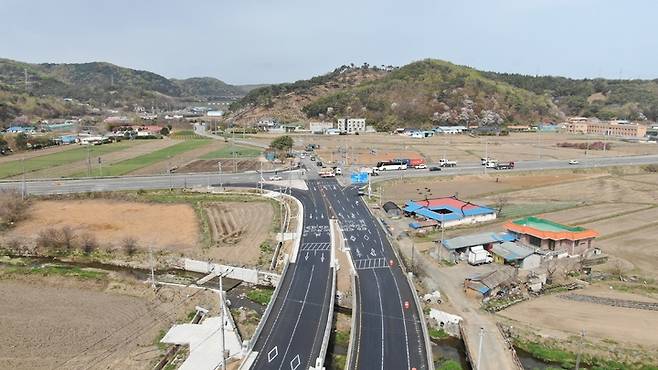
[485, 160]
[319, 163]
[338, 171]
[421, 166]
[391, 166]
[492, 163]
[573, 161]
[446, 163]
[478, 256]
[435, 168]
[504, 166]
[372, 171]
[276, 178]
[326, 172]
[312, 157]
[417, 163]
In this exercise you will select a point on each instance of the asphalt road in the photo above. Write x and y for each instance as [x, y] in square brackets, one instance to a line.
[292, 336]
[50, 186]
[389, 333]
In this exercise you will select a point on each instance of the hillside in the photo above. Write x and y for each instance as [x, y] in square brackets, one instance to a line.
[430, 92]
[100, 84]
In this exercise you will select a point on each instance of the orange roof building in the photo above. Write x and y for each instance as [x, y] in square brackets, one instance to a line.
[549, 235]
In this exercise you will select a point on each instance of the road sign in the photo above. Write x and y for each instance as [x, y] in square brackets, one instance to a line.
[359, 177]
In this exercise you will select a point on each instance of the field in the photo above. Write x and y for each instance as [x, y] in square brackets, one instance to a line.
[233, 150]
[56, 322]
[173, 227]
[239, 230]
[462, 148]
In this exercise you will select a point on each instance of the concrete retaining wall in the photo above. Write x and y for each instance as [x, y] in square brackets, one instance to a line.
[239, 273]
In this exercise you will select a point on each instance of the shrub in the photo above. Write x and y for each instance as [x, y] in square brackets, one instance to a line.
[129, 245]
[88, 243]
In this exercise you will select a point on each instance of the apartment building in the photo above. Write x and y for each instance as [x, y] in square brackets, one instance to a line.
[352, 125]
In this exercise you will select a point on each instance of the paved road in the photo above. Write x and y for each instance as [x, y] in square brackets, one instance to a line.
[49, 186]
[389, 336]
[292, 337]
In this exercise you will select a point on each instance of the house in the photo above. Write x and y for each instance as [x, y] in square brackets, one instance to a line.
[392, 209]
[454, 249]
[20, 129]
[214, 113]
[320, 127]
[488, 284]
[66, 139]
[552, 236]
[352, 125]
[510, 253]
[422, 134]
[448, 211]
[450, 130]
[519, 128]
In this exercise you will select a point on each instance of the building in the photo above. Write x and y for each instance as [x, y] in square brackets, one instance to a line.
[422, 134]
[455, 249]
[510, 253]
[352, 125]
[214, 113]
[617, 128]
[448, 211]
[20, 129]
[488, 284]
[576, 126]
[552, 236]
[450, 130]
[519, 128]
[392, 209]
[320, 127]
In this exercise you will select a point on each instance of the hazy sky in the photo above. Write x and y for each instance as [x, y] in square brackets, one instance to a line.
[256, 41]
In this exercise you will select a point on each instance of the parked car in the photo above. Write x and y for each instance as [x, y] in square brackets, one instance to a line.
[276, 178]
[312, 158]
[435, 168]
[573, 161]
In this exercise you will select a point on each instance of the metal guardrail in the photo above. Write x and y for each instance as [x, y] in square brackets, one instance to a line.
[319, 362]
[355, 311]
[423, 324]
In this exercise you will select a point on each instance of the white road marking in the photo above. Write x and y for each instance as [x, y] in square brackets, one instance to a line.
[299, 316]
[271, 355]
[294, 364]
[381, 309]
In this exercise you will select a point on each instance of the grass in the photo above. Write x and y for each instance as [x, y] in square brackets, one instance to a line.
[342, 338]
[437, 333]
[527, 209]
[338, 361]
[133, 164]
[186, 135]
[78, 153]
[449, 365]
[55, 270]
[260, 296]
[240, 152]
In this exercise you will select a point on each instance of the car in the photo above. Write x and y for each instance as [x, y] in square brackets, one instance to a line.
[276, 178]
[319, 164]
[312, 158]
[421, 166]
[573, 161]
[435, 168]
[338, 171]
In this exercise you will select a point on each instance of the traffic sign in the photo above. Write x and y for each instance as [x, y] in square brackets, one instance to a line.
[359, 177]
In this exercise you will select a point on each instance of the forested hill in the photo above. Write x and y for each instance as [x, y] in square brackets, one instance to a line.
[431, 92]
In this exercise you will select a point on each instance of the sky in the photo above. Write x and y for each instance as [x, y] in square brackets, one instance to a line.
[269, 41]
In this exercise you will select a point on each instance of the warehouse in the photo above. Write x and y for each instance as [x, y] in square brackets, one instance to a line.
[548, 235]
[510, 253]
[455, 249]
[448, 211]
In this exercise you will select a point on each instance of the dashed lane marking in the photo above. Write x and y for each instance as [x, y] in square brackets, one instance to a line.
[370, 263]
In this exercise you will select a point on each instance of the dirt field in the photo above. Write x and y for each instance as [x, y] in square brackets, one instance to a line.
[601, 321]
[228, 165]
[70, 324]
[238, 229]
[462, 148]
[180, 159]
[161, 226]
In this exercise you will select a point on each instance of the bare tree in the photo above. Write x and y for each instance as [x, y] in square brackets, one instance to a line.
[501, 202]
[88, 243]
[67, 236]
[129, 245]
[619, 269]
[49, 240]
[551, 268]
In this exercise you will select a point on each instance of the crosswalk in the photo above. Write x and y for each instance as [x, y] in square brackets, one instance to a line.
[315, 247]
[370, 263]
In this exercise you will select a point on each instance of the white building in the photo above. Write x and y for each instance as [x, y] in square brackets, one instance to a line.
[452, 130]
[214, 113]
[320, 127]
[351, 125]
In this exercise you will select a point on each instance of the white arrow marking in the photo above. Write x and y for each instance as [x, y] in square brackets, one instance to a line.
[306, 258]
[352, 238]
[310, 216]
[271, 355]
[372, 252]
[322, 258]
[358, 252]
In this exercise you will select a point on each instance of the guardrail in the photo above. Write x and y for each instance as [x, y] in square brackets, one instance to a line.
[355, 312]
[423, 323]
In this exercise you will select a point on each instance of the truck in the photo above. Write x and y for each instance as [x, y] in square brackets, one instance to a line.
[492, 163]
[478, 256]
[372, 171]
[417, 163]
[504, 166]
[446, 163]
[312, 147]
[326, 172]
[485, 160]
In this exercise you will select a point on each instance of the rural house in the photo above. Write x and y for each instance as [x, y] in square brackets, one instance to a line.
[552, 236]
[448, 212]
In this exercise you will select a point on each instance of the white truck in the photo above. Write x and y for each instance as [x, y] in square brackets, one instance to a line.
[326, 172]
[446, 163]
[372, 171]
[492, 163]
[478, 256]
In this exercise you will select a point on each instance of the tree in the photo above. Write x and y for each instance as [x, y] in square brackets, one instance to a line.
[88, 243]
[164, 131]
[551, 268]
[282, 143]
[501, 202]
[21, 141]
[129, 246]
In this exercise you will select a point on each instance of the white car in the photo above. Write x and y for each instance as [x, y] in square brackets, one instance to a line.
[421, 166]
[276, 178]
[573, 161]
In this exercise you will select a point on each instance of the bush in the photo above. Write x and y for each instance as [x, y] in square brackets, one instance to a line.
[129, 245]
[12, 207]
[49, 240]
[88, 243]
[651, 168]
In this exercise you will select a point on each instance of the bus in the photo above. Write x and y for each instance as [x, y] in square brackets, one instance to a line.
[391, 166]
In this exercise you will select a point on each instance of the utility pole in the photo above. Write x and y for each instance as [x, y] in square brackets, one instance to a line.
[413, 250]
[23, 184]
[480, 349]
[171, 184]
[539, 143]
[26, 83]
[221, 304]
[89, 160]
[221, 187]
[235, 163]
[100, 166]
[152, 263]
[580, 348]
[261, 178]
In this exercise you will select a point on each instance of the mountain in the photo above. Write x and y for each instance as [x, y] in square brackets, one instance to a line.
[99, 84]
[431, 92]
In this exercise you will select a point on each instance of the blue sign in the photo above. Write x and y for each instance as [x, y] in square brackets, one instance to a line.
[359, 177]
